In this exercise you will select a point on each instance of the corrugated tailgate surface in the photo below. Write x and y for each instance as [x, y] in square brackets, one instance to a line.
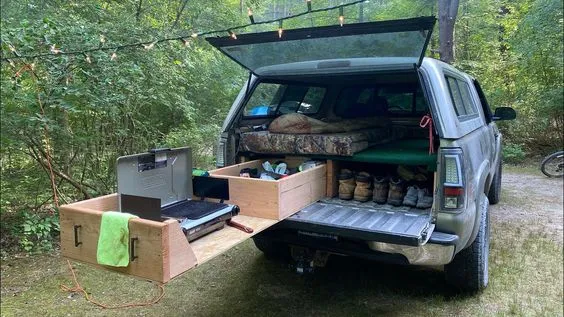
[386, 223]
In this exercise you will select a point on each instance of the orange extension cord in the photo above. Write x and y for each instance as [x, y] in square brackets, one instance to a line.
[79, 288]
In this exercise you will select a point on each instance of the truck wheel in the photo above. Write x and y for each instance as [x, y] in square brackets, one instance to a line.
[272, 249]
[468, 272]
[495, 189]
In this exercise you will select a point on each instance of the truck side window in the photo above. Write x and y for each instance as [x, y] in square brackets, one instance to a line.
[484, 102]
[460, 94]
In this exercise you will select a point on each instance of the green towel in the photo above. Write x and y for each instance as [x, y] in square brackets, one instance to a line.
[113, 242]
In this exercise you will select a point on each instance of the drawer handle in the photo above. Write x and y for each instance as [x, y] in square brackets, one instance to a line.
[76, 242]
[132, 255]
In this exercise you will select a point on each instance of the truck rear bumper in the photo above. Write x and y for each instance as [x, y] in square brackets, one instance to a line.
[439, 250]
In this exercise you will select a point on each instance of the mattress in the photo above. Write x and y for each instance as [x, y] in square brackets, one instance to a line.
[340, 144]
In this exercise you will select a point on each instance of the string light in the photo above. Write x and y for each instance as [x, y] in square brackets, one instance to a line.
[87, 58]
[280, 29]
[54, 50]
[12, 48]
[114, 56]
[149, 46]
[185, 42]
[12, 63]
[250, 13]
[230, 30]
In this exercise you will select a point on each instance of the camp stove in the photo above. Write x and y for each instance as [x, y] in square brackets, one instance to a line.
[158, 185]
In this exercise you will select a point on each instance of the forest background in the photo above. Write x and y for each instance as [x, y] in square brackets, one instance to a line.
[66, 118]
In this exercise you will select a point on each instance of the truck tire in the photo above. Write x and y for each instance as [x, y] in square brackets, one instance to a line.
[272, 249]
[468, 272]
[494, 194]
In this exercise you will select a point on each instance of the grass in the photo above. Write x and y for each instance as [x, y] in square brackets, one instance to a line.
[526, 277]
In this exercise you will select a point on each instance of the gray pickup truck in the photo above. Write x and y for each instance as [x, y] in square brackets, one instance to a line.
[372, 70]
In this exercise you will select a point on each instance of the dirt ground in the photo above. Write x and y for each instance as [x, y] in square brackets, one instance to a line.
[526, 276]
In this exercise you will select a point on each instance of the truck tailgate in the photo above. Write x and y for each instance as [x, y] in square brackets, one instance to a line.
[365, 221]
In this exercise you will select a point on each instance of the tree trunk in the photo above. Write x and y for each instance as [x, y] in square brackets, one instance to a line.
[138, 12]
[448, 9]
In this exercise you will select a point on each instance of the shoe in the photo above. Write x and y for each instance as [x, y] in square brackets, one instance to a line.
[405, 172]
[381, 187]
[347, 184]
[424, 199]
[249, 172]
[395, 194]
[411, 196]
[363, 190]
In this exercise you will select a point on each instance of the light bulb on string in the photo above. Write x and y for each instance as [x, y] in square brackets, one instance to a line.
[232, 34]
[341, 16]
[102, 39]
[55, 50]
[12, 64]
[12, 48]
[250, 13]
[149, 46]
[308, 2]
[280, 30]
[87, 58]
[194, 35]
[185, 42]
[113, 56]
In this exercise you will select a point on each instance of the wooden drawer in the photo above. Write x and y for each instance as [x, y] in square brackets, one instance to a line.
[160, 248]
[273, 199]
[159, 251]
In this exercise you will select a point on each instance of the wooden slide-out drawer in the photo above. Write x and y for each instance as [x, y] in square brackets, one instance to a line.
[161, 250]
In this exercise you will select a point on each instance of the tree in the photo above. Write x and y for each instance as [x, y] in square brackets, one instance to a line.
[448, 10]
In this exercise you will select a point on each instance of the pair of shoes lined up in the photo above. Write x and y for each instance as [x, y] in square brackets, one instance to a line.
[357, 186]
[382, 190]
[418, 197]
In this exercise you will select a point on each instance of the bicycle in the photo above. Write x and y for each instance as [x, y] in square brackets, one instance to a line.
[553, 165]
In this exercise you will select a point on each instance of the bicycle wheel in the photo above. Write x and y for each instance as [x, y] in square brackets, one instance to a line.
[553, 165]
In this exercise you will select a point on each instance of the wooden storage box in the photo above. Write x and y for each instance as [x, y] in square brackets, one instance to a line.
[273, 199]
[160, 249]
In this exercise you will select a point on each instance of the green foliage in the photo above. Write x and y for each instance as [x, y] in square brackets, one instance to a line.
[68, 120]
[513, 153]
[38, 232]
[65, 121]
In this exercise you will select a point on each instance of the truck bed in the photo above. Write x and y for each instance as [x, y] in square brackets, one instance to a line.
[366, 221]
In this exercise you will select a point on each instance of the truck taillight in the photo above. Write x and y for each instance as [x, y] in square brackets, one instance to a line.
[454, 194]
[220, 154]
[453, 197]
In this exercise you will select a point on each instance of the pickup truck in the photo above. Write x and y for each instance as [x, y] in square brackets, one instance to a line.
[368, 70]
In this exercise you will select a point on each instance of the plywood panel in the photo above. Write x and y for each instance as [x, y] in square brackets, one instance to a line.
[212, 245]
[256, 198]
[102, 203]
[301, 178]
[233, 170]
[297, 198]
[332, 181]
[178, 256]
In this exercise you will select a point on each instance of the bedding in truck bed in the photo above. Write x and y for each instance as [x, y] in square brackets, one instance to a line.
[340, 144]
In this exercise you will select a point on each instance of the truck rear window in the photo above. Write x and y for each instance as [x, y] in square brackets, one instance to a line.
[273, 99]
[369, 101]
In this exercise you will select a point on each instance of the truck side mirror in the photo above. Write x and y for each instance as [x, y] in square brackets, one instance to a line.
[504, 113]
